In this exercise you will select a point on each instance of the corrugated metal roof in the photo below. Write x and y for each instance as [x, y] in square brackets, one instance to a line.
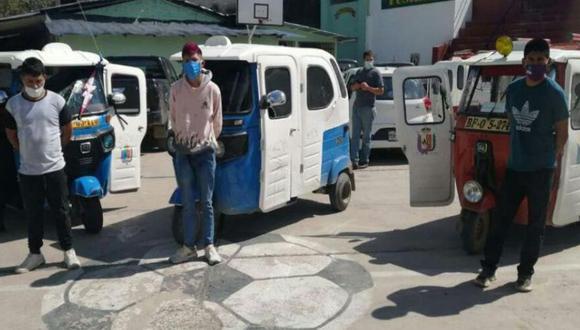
[61, 27]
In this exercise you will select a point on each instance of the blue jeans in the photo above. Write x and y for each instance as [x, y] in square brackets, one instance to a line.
[198, 172]
[362, 120]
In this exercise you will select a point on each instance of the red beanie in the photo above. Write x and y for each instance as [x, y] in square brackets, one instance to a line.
[190, 48]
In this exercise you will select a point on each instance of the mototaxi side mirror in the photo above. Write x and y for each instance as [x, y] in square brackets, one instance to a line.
[117, 98]
[3, 97]
[273, 99]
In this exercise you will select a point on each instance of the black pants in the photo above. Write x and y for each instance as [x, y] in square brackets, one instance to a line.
[536, 187]
[52, 188]
[8, 184]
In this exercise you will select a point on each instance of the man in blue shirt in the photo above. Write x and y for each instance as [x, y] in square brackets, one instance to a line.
[368, 85]
[538, 115]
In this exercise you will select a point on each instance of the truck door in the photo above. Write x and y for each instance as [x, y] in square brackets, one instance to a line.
[280, 132]
[130, 126]
[425, 139]
[567, 207]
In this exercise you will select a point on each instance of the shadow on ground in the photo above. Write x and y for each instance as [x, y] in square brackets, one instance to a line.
[434, 248]
[436, 301]
[127, 241]
[382, 157]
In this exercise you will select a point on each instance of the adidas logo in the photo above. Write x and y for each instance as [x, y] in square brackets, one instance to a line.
[524, 117]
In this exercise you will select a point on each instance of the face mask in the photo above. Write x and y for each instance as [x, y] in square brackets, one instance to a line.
[369, 64]
[192, 69]
[35, 93]
[536, 72]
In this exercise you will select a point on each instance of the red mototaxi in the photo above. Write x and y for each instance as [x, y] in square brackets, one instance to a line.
[469, 143]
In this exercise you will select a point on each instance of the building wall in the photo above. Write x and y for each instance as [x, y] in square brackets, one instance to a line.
[394, 34]
[463, 14]
[347, 18]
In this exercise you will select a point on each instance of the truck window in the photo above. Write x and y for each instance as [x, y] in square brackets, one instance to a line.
[450, 77]
[487, 90]
[128, 85]
[422, 107]
[319, 89]
[575, 103]
[388, 93]
[343, 92]
[234, 81]
[151, 66]
[460, 77]
[279, 79]
[5, 77]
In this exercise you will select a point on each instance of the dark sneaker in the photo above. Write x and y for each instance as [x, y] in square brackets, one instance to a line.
[524, 284]
[363, 165]
[355, 166]
[484, 279]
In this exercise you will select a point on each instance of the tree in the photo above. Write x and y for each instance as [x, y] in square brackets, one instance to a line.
[17, 7]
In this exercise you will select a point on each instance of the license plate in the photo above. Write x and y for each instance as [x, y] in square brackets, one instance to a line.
[488, 124]
[85, 123]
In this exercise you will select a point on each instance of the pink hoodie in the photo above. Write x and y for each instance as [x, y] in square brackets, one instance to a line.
[195, 112]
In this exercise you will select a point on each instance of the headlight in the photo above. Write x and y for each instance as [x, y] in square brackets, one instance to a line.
[108, 142]
[473, 191]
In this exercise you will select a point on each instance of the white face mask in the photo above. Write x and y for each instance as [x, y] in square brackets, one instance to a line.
[35, 93]
[369, 64]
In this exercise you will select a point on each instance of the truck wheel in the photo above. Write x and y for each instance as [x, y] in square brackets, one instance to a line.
[92, 214]
[177, 224]
[76, 216]
[474, 230]
[340, 192]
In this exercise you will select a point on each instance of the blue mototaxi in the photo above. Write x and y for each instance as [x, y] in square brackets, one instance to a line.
[108, 106]
[285, 128]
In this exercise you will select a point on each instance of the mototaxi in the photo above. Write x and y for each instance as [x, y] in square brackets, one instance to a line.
[108, 107]
[470, 144]
[285, 128]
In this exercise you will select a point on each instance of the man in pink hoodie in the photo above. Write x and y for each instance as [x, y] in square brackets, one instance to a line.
[196, 119]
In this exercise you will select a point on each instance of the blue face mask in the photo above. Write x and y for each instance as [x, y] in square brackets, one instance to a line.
[192, 69]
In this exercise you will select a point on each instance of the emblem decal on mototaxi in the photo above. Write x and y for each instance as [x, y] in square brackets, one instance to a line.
[425, 141]
[126, 154]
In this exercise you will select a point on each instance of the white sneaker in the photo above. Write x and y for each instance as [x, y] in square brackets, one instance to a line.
[183, 254]
[212, 255]
[70, 259]
[31, 262]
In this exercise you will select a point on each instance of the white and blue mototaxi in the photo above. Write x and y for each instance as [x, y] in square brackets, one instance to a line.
[108, 108]
[285, 128]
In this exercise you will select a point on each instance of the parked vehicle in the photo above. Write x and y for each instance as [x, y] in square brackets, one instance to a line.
[160, 74]
[107, 131]
[393, 64]
[346, 64]
[471, 146]
[384, 131]
[285, 127]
